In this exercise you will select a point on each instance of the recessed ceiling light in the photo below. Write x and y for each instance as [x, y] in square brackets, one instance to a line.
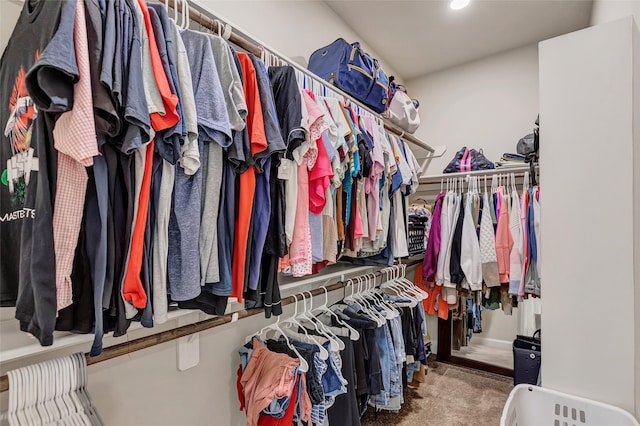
[459, 4]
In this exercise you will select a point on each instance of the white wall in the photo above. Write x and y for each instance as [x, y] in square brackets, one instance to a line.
[610, 10]
[10, 13]
[591, 303]
[490, 103]
[499, 327]
[294, 28]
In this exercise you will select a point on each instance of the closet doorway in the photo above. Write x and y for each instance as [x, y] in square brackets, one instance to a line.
[490, 347]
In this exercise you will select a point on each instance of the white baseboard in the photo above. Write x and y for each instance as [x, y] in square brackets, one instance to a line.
[494, 343]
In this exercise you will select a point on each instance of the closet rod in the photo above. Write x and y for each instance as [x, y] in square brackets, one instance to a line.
[255, 47]
[517, 170]
[186, 330]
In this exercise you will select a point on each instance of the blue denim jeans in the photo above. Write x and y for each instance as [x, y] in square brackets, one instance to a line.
[245, 354]
[333, 382]
[390, 376]
[318, 411]
[398, 341]
[412, 367]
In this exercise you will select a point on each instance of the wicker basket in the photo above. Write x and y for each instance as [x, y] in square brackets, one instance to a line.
[416, 235]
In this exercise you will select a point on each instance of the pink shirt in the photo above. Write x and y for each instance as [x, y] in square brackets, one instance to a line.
[504, 240]
[300, 253]
[372, 183]
[321, 173]
[74, 137]
[268, 376]
[524, 211]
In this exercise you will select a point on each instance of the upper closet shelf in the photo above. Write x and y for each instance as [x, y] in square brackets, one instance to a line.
[210, 20]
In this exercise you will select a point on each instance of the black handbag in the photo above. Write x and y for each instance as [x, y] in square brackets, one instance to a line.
[526, 359]
[529, 146]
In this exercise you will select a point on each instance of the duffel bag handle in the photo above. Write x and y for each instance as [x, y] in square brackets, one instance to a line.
[537, 333]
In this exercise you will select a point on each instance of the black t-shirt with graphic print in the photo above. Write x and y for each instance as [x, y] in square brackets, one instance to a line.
[37, 72]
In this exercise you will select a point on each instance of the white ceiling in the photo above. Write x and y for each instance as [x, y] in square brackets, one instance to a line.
[419, 37]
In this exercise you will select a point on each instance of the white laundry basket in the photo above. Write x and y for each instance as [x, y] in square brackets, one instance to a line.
[535, 406]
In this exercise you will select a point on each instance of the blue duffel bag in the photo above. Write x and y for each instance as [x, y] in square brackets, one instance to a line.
[352, 70]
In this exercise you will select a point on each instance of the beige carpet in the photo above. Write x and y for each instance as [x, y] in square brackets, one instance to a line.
[451, 396]
[487, 354]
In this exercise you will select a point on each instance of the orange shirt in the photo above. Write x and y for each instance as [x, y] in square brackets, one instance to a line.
[132, 289]
[169, 100]
[255, 119]
[247, 181]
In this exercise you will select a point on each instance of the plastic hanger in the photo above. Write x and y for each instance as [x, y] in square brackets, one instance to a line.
[185, 14]
[390, 282]
[307, 316]
[275, 326]
[407, 291]
[293, 320]
[63, 377]
[377, 295]
[80, 387]
[368, 308]
[48, 393]
[82, 369]
[73, 371]
[31, 395]
[20, 398]
[321, 327]
[366, 305]
[304, 366]
[41, 396]
[76, 385]
[411, 286]
[353, 333]
[334, 342]
[390, 310]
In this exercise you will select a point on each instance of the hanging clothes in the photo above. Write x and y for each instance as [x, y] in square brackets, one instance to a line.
[476, 259]
[194, 173]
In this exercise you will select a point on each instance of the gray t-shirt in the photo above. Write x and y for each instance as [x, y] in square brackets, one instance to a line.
[105, 114]
[190, 208]
[136, 108]
[230, 81]
[190, 160]
[152, 94]
[169, 145]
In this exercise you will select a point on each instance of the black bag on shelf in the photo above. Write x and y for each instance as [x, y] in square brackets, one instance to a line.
[529, 146]
[468, 160]
[526, 359]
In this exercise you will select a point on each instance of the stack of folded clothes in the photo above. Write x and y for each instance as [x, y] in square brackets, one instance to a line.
[511, 160]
